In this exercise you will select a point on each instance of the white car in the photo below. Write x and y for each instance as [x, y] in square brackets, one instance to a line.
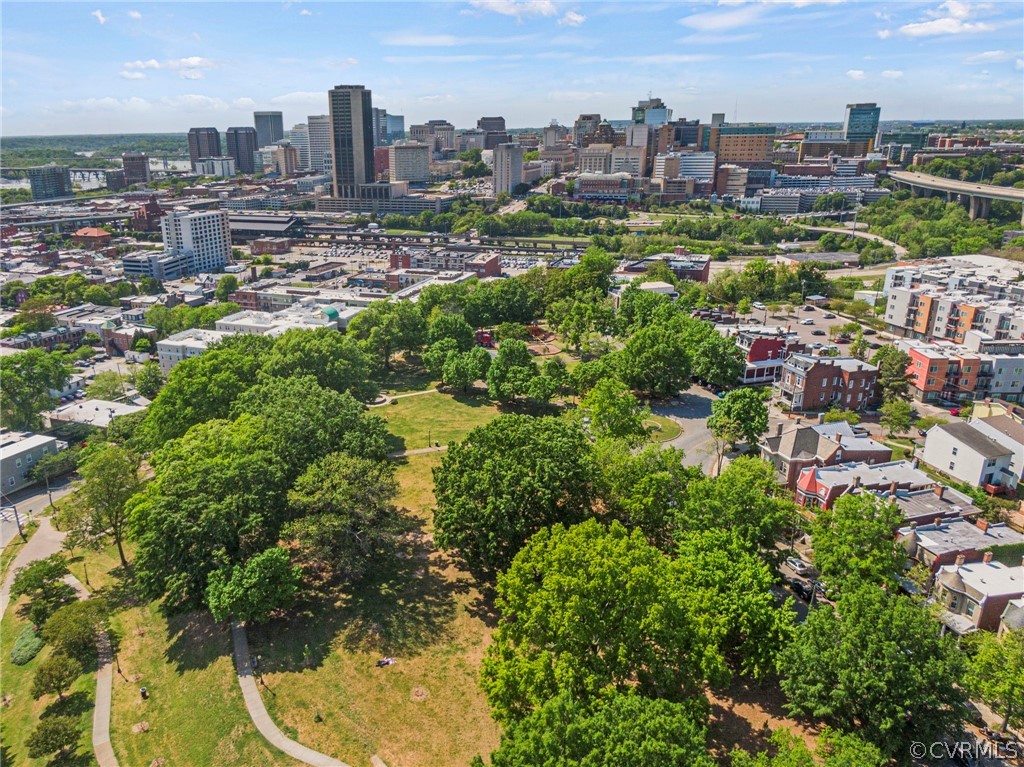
[798, 566]
[806, 322]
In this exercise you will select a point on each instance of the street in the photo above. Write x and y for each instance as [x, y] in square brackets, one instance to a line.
[29, 503]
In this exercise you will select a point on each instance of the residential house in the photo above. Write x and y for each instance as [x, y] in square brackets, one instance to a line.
[974, 595]
[818, 383]
[940, 543]
[821, 486]
[1012, 618]
[968, 455]
[1008, 431]
[765, 348]
[925, 506]
[19, 452]
[793, 449]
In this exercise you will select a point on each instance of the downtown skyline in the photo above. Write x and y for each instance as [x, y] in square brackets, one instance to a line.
[163, 67]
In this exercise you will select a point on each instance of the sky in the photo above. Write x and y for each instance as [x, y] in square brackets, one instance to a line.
[105, 66]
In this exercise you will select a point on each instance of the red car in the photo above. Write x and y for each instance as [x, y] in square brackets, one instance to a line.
[954, 411]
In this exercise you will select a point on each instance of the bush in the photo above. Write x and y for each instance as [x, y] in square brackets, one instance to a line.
[26, 646]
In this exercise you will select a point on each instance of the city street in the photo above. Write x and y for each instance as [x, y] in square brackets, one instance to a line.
[29, 503]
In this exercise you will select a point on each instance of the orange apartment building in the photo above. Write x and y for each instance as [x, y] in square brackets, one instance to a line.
[938, 373]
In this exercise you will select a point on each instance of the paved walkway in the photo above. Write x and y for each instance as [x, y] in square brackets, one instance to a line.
[258, 711]
[391, 397]
[44, 542]
[417, 451]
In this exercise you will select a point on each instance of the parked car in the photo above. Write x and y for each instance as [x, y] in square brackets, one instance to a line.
[807, 322]
[808, 308]
[954, 411]
[801, 588]
[759, 306]
[869, 331]
[828, 316]
[817, 332]
[797, 565]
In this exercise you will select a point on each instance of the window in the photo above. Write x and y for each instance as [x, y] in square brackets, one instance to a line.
[955, 450]
[954, 601]
[17, 462]
[28, 459]
[969, 608]
[952, 465]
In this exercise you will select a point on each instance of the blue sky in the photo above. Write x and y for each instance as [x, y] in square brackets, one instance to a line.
[104, 67]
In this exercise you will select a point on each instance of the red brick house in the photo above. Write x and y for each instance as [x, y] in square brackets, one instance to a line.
[818, 383]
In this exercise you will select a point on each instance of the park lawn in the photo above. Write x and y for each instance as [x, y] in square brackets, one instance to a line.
[20, 713]
[195, 713]
[405, 377]
[440, 417]
[416, 485]
[665, 429]
[323, 686]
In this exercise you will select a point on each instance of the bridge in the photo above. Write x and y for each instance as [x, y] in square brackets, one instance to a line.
[977, 197]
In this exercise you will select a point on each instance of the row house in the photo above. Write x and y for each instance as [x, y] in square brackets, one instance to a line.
[804, 446]
[941, 542]
[819, 383]
[820, 487]
[975, 595]
[764, 349]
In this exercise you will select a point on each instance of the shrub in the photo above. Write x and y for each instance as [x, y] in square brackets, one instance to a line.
[26, 646]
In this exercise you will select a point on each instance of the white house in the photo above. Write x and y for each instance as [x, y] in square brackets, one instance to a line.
[1009, 433]
[966, 454]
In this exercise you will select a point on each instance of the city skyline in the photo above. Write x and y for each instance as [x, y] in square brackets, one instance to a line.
[165, 67]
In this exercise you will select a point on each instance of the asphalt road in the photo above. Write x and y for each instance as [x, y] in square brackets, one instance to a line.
[29, 502]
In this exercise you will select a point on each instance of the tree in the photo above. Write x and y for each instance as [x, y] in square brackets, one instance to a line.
[586, 609]
[893, 379]
[334, 359]
[835, 415]
[897, 416]
[387, 327]
[511, 371]
[854, 541]
[55, 675]
[506, 480]
[107, 385]
[463, 369]
[226, 285]
[437, 354]
[26, 379]
[995, 674]
[745, 497]
[835, 749]
[53, 734]
[148, 379]
[254, 590]
[611, 410]
[859, 348]
[344, 515]
[716, 360]
[72, 629]
[618, 730]
[745, 306]
[655, 362]
[507, 331]
[452, 326]
[742, 413]
[43, 583]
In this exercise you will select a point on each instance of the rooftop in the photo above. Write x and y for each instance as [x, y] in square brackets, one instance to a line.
[929, 504]
[967, 435]
[986, 579]
[95, 412]
[951, 536]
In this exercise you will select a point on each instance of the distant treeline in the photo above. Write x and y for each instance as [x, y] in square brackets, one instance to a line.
[25, 151]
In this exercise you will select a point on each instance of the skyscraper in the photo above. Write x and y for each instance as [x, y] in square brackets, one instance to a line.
[351, 138]
[319, 128]
[269, 127]
[861, 123]
[380, 126]
[203, 238]
[298, 137]
[491, 124]
[50, 181]
[203, 142]
[508, 167]
[136, 167]
[396, 128]
[242, 145]
[409, 161]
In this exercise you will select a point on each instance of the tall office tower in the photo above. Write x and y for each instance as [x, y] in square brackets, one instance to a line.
[395, 128]
[285, 159]
[351, 138]
[422, 134]
[242, 145]
[508, 167]
[652, 112]
[203, 238]
[319, 127]
[554, 134]
[380, 126]
[298, 137]
[444, 133]
[50, 181]
[409, 161]
[203, 142]
[269, 127]
[136, 167]
[496, 124]
[861, 123]
[584, 124]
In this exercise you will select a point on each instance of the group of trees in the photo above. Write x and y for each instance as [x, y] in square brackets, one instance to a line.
[988, 168]
[169, 321]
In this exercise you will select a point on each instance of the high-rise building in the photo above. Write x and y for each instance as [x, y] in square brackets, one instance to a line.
[298, 137]
[351, 138]
[737, 143]
[496, 124]
[269, 127]
[493, 138]
[554, 134]
[242, 144]
[395, 128]
[50, 181]
[508, 167]
[861, 123]
[203, 142]
[319, 127]
[136, 167]
[584, 124]
[224, 167]
[203, 238]
[652, 112]
[409, 161]
[285, 159]
[380, 126]
[443, 132]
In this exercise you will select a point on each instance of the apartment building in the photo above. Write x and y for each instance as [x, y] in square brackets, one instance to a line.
[204, 238]
[20, 452]
[409, 161]
[818, 383]
[447, 260]
[596, 158]
[793, 449]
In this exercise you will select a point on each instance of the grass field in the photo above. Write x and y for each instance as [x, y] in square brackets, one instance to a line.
[20, 713]
[440, 417]
[323, 684]
[662, 429]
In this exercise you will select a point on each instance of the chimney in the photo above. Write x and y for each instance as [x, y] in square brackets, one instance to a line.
[856, 481]
[982, 524]
[892, 488]
[778, 429]
[960, 559]
[938, 522]
[940, 490]
[987, 558]
[821, 418]
[839, 439]
[913, 525]
[798, 420]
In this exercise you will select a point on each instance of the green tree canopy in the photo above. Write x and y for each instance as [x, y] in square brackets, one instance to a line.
[26, 379]
[226, 285]
[53, 734]
[451, 326]
[741, 413]
[893, 379]
[854, 541]
[55, 675]
[253, 590]
[909, 691]
[72, 629]
[611, 411]
[511, 371]
[333, 359]
[385, 328]
[995, 673]
[148, 379]
[506, 480]
[897, 416]
[655, 362]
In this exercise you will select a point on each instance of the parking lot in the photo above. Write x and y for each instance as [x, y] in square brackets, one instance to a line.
[816, 331]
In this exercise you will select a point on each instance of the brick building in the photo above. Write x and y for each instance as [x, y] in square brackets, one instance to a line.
[802, 446]
[447, 260]
[818, 383]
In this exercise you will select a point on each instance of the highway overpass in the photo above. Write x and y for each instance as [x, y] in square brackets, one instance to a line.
[977, 197]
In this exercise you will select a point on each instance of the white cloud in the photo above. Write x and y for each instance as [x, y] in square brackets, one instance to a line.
[516, 8]
[244, 103]
[300, 98]
[1019, 65]
[700, 38]
[188, 68]
[856, 74]
[989, 57]
[571, 19]
[953, 17]
[884, 34]
[189, 62]
[103, 105]
[195, 102]
[882, 15]
[305, 12]
[134, 15]
[99, 16]
[139, 64]
[717, 21]
[192, 74]
[133, 75]
[892, 74]
[420, 40]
